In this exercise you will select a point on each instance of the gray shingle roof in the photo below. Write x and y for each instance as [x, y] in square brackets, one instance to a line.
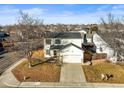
[56, 47]
[3, 35]
[62, 35]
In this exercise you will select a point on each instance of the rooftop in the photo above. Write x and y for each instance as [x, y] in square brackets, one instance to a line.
[63, 35]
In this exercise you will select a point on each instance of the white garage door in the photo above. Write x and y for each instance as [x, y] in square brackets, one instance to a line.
[72, 58]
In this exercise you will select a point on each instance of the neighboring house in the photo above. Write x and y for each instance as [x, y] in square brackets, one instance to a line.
[103, 47]
[67, 45]
[3, 35]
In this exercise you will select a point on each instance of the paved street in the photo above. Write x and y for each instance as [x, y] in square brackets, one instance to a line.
[7, 59]
[72, 73]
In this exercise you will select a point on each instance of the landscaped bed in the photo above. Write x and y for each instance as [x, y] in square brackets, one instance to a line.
[93, 73]
[45, 72]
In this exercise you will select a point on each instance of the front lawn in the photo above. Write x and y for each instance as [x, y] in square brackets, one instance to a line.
[45, 72]
[93, 73]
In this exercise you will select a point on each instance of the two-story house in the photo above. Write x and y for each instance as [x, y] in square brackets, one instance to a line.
[68, 45]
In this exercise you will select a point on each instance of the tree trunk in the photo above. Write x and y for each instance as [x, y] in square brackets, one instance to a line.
[29, 64]
[29, 59]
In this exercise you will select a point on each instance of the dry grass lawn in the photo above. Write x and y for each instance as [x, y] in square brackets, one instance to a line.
[46, 72]
[93, 73]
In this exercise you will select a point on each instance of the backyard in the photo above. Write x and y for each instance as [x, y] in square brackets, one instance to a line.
[93, 73]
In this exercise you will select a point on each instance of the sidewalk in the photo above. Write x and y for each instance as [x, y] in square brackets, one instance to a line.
[7, 79]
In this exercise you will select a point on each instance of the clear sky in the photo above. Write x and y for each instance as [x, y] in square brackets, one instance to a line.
[62, 13]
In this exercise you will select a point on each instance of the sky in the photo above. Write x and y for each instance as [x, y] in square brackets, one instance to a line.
[60, 13]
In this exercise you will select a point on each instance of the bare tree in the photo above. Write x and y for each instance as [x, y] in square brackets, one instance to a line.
[112, 35]
[30, 39]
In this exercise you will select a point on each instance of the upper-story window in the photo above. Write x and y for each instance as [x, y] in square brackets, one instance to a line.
[48, 41]
[57, 41]
[101, 50]
[85, 39]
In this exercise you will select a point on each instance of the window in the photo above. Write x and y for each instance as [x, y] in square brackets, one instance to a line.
[48, 41]
[55, 53]
[57, 41]
[85, 39]
[100, 49]
[47, 52]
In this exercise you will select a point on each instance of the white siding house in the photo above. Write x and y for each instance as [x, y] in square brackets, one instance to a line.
[103, 47]
[67, 44]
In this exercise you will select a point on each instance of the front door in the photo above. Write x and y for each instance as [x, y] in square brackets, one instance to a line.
[55, 53]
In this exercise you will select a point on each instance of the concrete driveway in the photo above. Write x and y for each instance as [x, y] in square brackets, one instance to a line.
[72, 73]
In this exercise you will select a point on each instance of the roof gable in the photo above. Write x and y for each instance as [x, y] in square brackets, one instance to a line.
[71, 44]
[61, 47]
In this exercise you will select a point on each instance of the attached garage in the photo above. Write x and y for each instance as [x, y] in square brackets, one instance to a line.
[72, 58]
[72, 54]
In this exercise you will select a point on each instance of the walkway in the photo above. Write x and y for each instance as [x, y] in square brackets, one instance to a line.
[72, 73]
